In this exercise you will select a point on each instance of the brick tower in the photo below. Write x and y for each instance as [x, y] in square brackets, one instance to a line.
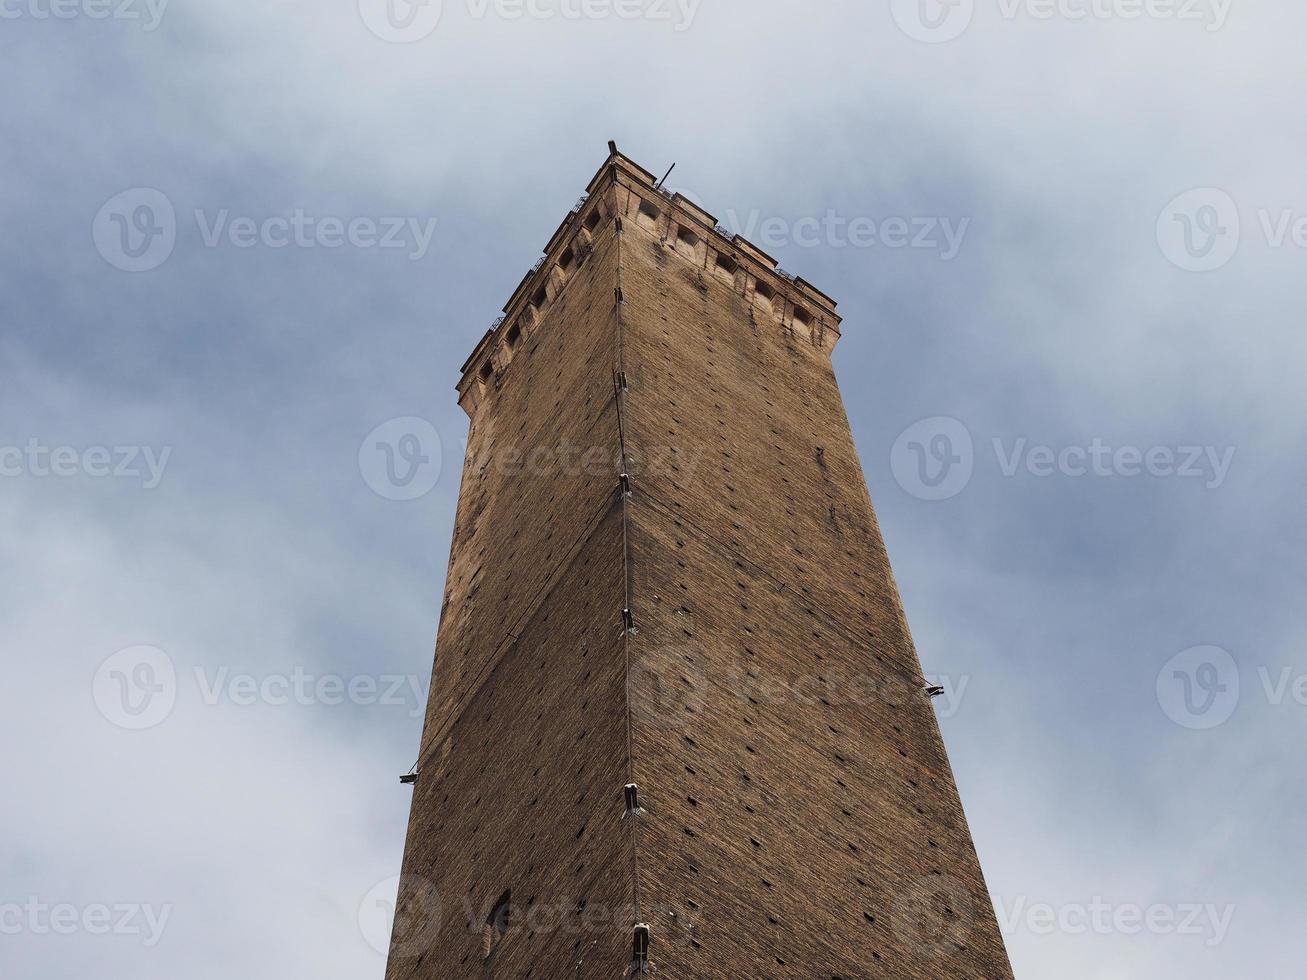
[677, 722]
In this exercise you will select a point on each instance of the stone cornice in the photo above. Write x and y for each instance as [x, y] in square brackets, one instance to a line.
[683, 226]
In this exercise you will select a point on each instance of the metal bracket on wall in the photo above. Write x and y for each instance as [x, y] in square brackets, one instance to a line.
[640, 949]
[632, 794]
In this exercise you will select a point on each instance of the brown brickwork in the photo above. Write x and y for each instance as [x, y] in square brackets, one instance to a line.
[666, 571]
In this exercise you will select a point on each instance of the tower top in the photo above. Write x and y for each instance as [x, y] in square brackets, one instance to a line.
[793, 302]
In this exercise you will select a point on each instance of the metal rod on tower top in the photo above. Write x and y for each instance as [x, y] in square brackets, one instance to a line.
[665, 176]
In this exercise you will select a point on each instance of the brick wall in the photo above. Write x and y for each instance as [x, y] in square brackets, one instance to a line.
[797, 813]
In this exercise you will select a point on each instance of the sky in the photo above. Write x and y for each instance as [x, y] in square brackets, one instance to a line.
[246, 245]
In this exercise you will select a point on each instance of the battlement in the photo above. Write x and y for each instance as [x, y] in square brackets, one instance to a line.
[624, 195]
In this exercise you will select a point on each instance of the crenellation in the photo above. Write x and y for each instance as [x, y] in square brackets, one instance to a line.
[680, 225]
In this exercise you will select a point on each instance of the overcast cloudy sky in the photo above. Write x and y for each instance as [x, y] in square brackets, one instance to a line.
[1068, 240]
